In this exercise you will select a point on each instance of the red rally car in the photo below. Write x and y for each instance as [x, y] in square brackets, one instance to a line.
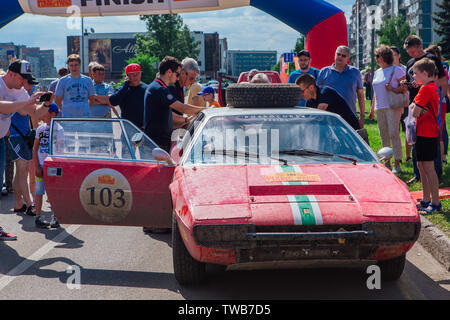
[244, 187]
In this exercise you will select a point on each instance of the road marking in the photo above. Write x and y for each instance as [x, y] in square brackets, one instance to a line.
[35, 257]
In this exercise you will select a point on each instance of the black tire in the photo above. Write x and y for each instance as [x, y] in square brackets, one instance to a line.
[263, 95]
[392, 269]
[187, 270]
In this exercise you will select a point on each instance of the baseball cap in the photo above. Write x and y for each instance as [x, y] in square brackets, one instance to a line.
[53, 108]
[304, 53]
[132, 67]
[23, 68]
[206, 90]
[33, 80]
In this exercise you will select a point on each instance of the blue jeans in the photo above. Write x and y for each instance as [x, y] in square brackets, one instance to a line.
[2, 160]
[437, 163]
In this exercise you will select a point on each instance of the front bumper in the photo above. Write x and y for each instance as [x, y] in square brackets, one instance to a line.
[289, 243]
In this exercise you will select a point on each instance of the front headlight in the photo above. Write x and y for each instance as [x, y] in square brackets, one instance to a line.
[220, 235]
[393, 231]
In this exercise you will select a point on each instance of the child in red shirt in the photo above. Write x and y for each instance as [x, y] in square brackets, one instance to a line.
[425, 109]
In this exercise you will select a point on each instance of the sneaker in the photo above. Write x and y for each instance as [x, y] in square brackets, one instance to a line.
[5, 192]
[23, 209]
[54, 223]
[397, 169]
[423, 204]
[6, 236]
[41, 223]
[431, 209]
[31, 211]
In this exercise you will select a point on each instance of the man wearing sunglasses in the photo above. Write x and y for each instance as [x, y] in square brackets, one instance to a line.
[188, 73]
[346, 80]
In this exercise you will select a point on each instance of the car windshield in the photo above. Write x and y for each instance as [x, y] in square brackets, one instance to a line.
[278, 138]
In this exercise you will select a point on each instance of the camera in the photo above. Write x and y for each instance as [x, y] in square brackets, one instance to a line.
[45, 97]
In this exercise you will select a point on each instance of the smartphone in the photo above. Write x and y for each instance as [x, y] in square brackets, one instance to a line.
[45, 97]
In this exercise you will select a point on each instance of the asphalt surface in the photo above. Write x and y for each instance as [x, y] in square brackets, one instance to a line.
[124, 263]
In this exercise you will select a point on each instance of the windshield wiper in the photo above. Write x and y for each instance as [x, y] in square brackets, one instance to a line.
[306, 152]
[237, 153]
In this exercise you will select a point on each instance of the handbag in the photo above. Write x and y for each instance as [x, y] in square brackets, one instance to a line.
[397, 100]
[411, 127]
[29, 138]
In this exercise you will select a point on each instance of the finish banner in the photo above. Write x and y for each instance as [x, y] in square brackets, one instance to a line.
[124, 7]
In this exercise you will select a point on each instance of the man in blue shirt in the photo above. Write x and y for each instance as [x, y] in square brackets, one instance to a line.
[75, 92]
[101, 89]
[304, 59]
[346, 80]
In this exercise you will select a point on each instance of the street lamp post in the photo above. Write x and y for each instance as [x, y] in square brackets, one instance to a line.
[82, 45]
[372, 10]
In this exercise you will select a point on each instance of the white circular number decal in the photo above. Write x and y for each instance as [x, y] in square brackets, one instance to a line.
[106, 195]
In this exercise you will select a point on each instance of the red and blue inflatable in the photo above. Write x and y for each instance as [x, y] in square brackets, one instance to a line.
[323, 24]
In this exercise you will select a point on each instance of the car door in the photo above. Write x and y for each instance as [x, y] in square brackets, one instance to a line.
[101, 172]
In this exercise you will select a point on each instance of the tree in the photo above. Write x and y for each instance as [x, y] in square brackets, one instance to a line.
[300, 44]
[442, 18]
[393, 32]
[166, 35]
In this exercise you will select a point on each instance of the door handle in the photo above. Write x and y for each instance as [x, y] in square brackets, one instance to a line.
[54, 172]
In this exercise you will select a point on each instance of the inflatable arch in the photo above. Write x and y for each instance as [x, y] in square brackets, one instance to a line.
[324, 24]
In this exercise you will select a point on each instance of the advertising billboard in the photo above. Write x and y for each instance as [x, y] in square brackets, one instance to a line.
[73, 45]
[100, 51]
[122, 50]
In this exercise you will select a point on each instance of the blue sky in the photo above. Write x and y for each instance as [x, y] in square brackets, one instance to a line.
[261, 31]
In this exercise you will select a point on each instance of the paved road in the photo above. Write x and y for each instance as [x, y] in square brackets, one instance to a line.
[124, 263]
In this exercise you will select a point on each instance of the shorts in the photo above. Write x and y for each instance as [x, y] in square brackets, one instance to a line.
[426, 148]
[18, 148]
[40, 187]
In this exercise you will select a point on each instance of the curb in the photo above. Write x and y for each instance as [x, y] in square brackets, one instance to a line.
[435, 242]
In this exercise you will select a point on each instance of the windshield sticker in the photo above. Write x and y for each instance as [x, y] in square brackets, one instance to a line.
[291, 176]
[271, 117]
[106, 195]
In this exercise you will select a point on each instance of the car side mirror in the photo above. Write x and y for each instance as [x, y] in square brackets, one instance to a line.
[161, 155]
[137, 138]
[385, 153]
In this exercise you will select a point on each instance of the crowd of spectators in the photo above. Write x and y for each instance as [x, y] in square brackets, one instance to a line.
[161, 106]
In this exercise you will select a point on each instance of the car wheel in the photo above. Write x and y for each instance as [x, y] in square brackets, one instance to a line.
[263, 95]
[187, 270]
[392, 269]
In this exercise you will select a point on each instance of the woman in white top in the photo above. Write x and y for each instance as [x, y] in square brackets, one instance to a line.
[388, 118]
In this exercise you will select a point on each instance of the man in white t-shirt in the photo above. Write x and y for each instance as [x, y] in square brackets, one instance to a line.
[10, 102]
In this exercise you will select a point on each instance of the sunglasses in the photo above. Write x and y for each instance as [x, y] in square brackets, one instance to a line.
[377, 55]
[341, 55]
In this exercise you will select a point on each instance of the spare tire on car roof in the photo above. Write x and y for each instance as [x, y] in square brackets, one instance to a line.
[263, 95]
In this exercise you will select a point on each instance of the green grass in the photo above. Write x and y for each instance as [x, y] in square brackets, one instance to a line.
[441, 220]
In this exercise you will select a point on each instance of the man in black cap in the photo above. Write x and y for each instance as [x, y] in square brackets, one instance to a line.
[304, 60]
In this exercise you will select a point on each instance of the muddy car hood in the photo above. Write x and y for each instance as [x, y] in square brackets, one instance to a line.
[218, 192]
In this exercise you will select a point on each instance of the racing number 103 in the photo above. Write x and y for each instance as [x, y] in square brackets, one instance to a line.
[106, 197]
